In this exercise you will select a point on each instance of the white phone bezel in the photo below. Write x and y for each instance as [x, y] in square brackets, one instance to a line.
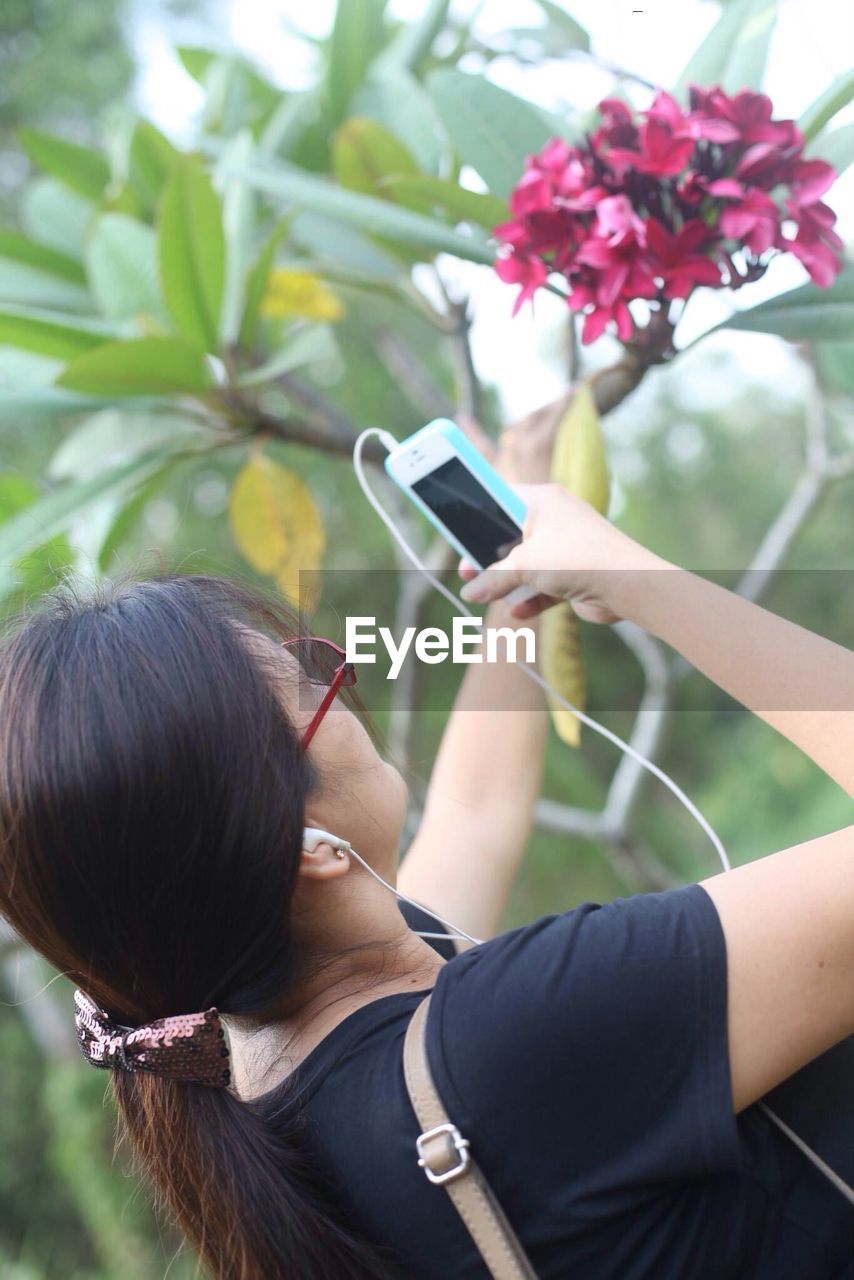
[415, 460]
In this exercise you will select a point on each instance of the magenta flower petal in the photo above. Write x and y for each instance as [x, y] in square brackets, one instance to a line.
[594, 324]
[647, 205]
[667, 109]
[625, 324]
[811, 178]
[726, 187]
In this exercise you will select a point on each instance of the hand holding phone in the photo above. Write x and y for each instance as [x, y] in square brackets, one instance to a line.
[461, 494]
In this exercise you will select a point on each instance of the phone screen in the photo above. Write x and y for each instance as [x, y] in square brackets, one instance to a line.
[473, 516]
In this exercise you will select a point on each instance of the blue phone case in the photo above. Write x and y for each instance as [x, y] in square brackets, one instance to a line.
[475, 461]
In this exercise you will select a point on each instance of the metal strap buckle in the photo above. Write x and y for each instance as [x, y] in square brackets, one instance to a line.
[461, 1145]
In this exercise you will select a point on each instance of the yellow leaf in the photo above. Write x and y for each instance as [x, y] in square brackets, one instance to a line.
[562, 665]
[276, 523]
[300, 293]
[580, 465]
[578, 460]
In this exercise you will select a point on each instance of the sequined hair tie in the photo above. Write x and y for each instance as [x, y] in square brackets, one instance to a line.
[187, 1046]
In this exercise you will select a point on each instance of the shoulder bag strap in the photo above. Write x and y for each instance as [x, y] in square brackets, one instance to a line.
[445, 1157]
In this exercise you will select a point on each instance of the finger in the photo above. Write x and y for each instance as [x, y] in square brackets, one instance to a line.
[493, 583]
[467, 569]
[533, 608]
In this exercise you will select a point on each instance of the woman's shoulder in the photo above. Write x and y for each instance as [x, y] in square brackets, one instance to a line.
[639, 928]
[613, 1010]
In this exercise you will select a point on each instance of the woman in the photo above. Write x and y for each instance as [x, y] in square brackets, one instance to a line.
[162, 751]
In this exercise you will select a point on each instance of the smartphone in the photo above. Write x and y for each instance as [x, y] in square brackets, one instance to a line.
[451, 482]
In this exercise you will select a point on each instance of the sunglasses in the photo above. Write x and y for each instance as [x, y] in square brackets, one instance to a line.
[324, 667]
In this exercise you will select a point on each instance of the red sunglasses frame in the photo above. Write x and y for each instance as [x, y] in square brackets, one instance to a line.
[345, 675]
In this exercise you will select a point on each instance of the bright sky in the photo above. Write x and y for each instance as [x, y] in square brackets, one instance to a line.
[810, 46]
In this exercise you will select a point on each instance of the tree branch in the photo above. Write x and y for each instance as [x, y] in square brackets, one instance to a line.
[620, 73]
[778, 539]
[469, 390]
[415, 379]
[651, 873]
[573, 361]
[321, 408]
[647, 731]
[313, 436]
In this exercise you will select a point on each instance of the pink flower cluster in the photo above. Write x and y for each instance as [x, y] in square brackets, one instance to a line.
[652, 209]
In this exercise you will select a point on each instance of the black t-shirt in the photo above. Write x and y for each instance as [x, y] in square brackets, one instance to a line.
[585, 1057]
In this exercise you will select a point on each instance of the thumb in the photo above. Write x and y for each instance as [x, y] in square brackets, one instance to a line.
[498, 580]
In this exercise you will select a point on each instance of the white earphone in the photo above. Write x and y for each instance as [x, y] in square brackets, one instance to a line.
[313, 836]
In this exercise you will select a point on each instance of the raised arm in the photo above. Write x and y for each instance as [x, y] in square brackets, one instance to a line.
[786, 918]
[797, 681]
[486, 777]
[480, 803]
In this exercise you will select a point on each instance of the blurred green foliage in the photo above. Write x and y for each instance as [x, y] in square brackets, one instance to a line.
[44, 48]
[142, 342]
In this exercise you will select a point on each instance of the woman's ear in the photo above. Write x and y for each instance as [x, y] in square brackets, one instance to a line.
[323, 856]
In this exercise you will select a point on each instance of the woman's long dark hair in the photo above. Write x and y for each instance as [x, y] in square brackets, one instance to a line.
[152, 791]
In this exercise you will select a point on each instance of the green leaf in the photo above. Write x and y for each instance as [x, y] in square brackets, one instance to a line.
[122, 262]
[332, 244]
[238, 220]
[80, 168]
[376, 217]
[52, 513]
[397, 100]
[195, 61]
[192, 253]
[288, 122]
[21, 369]
[735, 51]
[414, 40]
[146, 366]
[19, 249]
[55, 216]
[128, 514]
[836, 147]
[825, 107]
[152, 159]
[50, 333]
[37, 402]
[41, 569]
[256, 285]
[357, 37]
[23, 285]
[804, 313]
[236, 95]
[569, 127]
[311, 345]
[492, 129]
[457, 202]
[836, 365]
[364, 152]
[113, 435]
[571, 32]
[16, 492]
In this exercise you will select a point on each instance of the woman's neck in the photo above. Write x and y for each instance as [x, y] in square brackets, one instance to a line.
[264, 1056]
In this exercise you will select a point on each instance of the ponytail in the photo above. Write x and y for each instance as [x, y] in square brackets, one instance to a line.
[243, 1193]
[152, 797]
